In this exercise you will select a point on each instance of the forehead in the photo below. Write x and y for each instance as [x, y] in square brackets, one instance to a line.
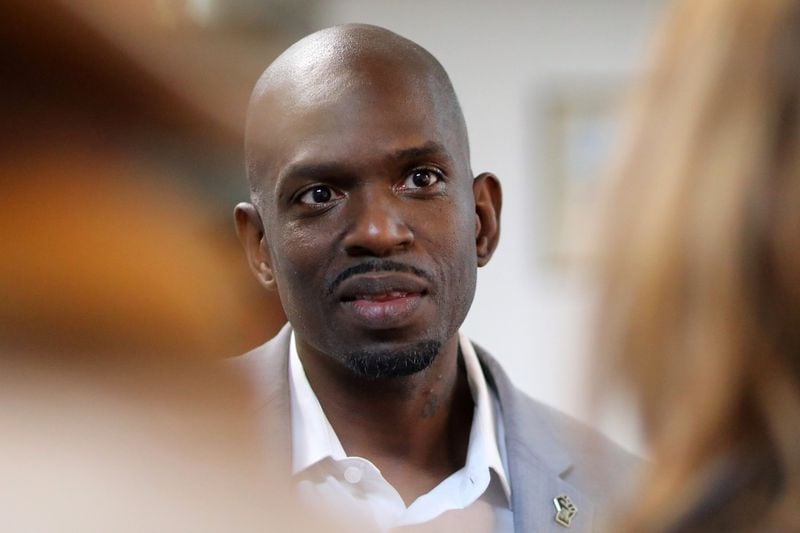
[352, 118]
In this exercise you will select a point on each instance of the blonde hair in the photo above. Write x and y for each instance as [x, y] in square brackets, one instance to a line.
[701, 295]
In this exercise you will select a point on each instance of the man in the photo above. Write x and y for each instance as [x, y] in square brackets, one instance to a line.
[367, 220]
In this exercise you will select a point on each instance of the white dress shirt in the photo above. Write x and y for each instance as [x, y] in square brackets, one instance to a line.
[475, 498]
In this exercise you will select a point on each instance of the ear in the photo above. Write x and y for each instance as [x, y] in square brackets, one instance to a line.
[488, 202]
[250, 230]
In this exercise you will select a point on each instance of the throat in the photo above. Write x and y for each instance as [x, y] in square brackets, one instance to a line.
[415, 429]
[416, 440]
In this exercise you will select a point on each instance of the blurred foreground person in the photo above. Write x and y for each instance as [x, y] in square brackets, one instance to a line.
[701, 308]
[113, 303]
[112, 419]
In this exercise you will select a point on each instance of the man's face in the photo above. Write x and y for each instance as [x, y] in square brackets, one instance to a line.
[369, 221]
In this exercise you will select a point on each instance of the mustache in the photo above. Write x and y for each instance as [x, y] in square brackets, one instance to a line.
[383, 265]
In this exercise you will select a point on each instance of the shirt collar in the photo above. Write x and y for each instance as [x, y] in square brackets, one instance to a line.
[483, 451]
[313, 437]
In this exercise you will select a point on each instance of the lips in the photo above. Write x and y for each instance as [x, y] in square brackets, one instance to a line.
[381, 297]
[384, 300]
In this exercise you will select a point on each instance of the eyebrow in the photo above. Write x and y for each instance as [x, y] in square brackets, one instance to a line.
[322, 169]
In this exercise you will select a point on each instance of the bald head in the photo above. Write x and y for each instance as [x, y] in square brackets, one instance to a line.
[339, 71]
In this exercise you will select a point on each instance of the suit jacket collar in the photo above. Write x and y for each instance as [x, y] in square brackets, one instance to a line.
[537, 457]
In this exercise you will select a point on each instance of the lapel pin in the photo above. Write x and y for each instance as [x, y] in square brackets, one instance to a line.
[565, 510]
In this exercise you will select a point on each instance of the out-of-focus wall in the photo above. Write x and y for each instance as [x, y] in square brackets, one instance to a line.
[506, 60]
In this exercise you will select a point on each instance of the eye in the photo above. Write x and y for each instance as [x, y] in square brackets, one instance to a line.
[421, 178]
[319, 195]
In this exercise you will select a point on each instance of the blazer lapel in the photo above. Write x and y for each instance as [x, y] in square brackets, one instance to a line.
[537, 460]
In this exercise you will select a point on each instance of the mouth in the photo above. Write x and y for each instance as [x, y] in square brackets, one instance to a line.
[382, 301]
[382, 297]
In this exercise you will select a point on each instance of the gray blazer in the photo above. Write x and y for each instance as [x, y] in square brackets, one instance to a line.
[549, 454]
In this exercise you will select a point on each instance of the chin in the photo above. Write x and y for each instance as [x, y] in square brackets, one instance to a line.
[384, 362]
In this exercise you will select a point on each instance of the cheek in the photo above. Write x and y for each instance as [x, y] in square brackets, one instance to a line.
[456, 228]
[298, 244]
[297, 254]
[297, 267]
[452, 245]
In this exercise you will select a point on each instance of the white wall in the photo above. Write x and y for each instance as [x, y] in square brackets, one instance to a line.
[503, 58]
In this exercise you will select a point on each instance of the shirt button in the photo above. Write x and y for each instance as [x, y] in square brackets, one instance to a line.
[352, 474]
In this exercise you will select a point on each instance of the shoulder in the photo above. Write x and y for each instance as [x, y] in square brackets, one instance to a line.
[266, 367]
[576, 452]
[596, 459]
[275, 347]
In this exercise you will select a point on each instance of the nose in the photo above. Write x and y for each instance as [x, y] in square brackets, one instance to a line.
[378, 227]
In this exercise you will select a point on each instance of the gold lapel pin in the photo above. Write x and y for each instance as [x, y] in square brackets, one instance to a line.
[565, 510]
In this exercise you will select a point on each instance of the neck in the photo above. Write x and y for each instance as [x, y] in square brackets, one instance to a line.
[415, 429]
